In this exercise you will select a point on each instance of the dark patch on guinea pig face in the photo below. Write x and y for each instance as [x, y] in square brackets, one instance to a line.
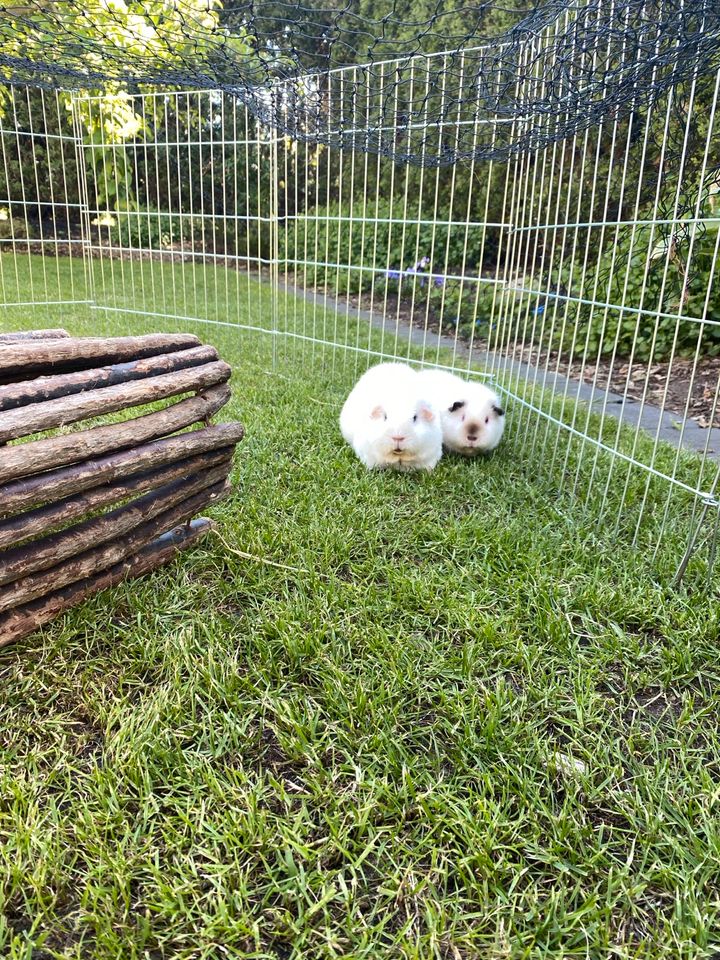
[498, 410]
[458, 405]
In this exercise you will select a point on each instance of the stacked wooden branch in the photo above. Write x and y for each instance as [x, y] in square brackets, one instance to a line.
[83, 509]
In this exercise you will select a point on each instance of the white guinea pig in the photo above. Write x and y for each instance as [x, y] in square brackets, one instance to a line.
[388, 423]
[472, 417]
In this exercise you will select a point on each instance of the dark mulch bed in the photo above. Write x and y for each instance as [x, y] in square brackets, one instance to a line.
[662, 384]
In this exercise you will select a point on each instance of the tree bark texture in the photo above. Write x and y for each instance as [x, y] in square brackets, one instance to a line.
[26, 459]
[64, 384]
[46, 519]
[27, 355]
[54, 485]
[46, 552]
[26, 619]
[84, 505]
[39, 417]
[78, 567]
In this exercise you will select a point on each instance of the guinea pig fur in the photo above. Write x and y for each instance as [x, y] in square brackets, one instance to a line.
[471, 414]
[389, 423]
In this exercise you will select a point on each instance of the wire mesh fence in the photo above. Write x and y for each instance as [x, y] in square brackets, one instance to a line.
[40, 201]
[570, 265]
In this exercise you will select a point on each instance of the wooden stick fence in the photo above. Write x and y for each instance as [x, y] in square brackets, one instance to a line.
[57, 546]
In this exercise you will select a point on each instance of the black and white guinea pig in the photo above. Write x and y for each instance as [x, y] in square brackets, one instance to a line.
[472, 417]
[389, 423]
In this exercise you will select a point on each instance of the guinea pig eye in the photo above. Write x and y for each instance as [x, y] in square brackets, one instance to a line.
[415, 419]
[487, 419]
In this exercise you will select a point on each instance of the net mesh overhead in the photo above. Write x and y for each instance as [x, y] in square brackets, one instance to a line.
[429, 87]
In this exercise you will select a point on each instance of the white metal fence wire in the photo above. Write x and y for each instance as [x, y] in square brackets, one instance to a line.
[579, 278]
[39, 199]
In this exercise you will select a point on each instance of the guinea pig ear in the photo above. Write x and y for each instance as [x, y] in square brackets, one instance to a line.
[377, 413]
[498, 410]
[458, 405]
[426, 412]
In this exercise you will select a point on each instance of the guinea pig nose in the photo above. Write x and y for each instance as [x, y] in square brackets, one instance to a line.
[397, 439]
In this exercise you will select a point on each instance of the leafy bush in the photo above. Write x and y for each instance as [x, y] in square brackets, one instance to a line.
[149, 229]
[651, 281]
[13, 228]
[647, 273]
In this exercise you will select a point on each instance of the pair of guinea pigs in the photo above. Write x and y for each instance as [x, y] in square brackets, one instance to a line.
[401, 418]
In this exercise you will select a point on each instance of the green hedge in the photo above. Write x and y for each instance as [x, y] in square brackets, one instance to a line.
[411, 259]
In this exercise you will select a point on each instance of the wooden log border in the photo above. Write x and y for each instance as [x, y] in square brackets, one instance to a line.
[83, 505]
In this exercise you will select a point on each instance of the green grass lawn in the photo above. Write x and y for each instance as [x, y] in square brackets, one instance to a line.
[466, 726]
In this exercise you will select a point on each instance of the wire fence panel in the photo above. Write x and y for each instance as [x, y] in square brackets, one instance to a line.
[577, 277]
[189, 236]
[574, 272]
[40, 203]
